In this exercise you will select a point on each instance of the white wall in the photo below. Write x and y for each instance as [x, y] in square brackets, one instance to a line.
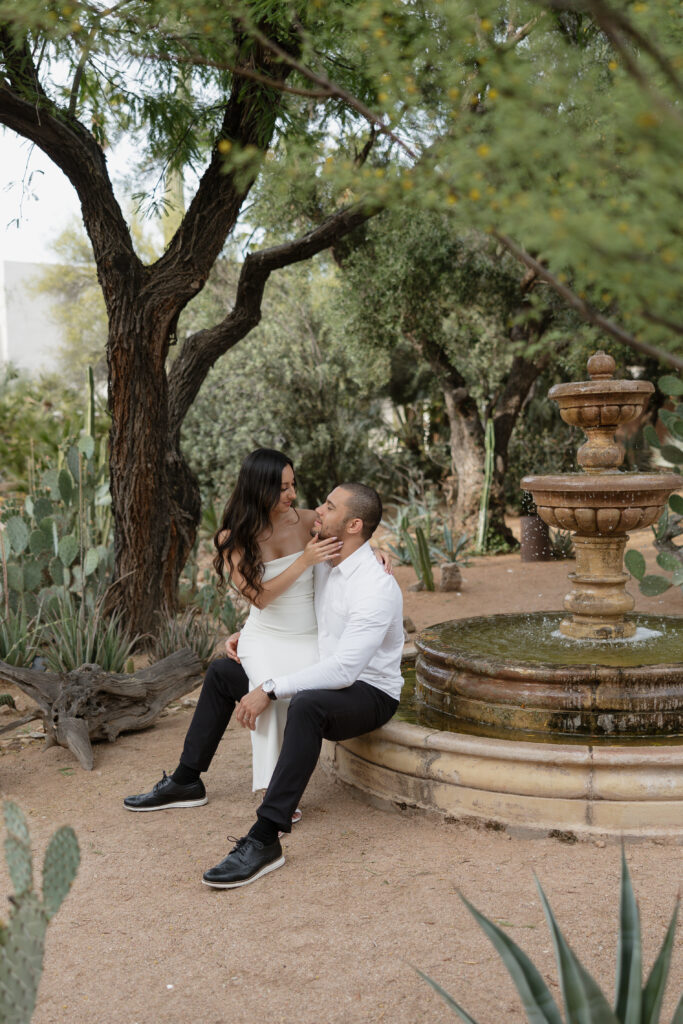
[29, 336]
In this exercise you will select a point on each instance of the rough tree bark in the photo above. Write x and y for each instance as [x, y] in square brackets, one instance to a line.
[89, 704]
[466, 430]
[521, 378]
[155, 497]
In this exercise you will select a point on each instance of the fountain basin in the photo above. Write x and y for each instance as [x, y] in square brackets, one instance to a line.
[604, 503]
[518, 674]
[538, 781]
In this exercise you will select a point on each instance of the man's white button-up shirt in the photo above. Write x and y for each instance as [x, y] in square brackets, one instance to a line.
[359, 609]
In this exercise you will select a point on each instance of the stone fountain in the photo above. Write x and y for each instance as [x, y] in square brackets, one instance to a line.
[547, 721]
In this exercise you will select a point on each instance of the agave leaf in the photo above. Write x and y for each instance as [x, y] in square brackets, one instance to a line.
[539, 1004]
[584, 1002]
[448, 1000]
[629, 957]
[678, 1013]
[653, 993]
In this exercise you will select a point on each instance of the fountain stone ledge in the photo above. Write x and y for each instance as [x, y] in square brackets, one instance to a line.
[526, 788]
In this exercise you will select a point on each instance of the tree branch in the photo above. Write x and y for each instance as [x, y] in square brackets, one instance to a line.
[612, 22]
[585, 311]
[201, 350]
[183, 269]
[27, 110]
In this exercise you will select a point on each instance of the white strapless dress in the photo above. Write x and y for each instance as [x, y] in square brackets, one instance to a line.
[277, 640]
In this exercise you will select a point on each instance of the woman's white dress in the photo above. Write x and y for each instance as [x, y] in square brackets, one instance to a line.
[277, 640]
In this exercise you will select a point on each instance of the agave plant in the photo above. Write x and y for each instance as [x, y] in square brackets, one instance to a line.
[584, 1001]
[79, 636]
[191, 630]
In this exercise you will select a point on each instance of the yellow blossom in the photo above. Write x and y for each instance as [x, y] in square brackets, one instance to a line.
[224, 146]
[474, 194]
[492, 94]
[483, 150]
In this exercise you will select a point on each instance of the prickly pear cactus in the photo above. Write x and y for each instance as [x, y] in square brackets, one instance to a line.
[22, 939]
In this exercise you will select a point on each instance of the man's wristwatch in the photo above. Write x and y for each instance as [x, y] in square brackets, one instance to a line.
[269, 688]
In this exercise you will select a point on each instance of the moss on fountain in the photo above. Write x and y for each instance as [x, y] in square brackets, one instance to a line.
[515, 673]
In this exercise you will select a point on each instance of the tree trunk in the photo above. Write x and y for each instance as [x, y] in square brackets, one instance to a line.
[467, 452]
[518, 384]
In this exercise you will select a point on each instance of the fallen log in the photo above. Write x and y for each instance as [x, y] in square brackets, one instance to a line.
[91, 704]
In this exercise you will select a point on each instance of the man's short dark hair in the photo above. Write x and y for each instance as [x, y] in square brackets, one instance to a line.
[366, 504]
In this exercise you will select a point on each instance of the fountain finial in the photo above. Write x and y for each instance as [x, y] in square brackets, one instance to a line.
[601, 366]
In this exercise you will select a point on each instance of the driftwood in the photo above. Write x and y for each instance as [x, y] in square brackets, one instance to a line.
[90, 704]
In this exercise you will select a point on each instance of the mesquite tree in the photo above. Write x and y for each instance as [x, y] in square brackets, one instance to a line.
[110, 86]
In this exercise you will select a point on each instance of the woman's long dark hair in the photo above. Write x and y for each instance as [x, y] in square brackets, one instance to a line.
[247, 515]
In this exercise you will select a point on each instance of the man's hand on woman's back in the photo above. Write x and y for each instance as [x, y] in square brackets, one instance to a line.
[231, 647]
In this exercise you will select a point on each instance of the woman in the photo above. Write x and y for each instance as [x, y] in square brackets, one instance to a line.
[264, 546]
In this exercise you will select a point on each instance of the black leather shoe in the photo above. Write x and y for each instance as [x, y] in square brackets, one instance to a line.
[247, 861]
[167, 794]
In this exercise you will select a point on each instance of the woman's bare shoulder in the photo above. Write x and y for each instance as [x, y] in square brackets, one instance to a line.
[308, 515]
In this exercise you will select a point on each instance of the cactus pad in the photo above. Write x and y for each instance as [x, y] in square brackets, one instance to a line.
[18, 849]
[62, 858]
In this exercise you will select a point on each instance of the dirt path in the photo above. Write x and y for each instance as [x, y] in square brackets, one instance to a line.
[365, 893]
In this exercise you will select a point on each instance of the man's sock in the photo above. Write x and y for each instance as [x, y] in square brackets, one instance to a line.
[185, 776]
[265, 831]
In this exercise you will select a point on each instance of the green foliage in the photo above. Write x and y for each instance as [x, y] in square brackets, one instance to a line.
[20, 637]
[454, 551]
[22, 939]
[669, 529]
[60, 536]
[583, 999]
[191, 629]
[37, 416]
[81, 635]
[421, 508]
[562, 544]
[291, 385]
[218, 604]
[420, 557]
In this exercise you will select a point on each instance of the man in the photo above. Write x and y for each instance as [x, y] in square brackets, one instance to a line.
[353, 689]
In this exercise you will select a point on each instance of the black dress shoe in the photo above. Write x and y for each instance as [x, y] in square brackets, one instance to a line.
[247, 861]
[167, 794]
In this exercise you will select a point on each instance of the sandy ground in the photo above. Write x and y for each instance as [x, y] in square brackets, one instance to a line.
[366, 895]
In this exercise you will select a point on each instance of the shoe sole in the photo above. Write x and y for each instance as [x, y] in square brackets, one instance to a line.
[273, 866]
[168, 807]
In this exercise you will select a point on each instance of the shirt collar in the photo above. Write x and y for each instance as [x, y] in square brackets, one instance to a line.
[350, 564]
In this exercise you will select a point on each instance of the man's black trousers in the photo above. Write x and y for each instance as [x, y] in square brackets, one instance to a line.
[313, 715]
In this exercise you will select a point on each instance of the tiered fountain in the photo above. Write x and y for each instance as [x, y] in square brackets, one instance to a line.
[549, 721]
